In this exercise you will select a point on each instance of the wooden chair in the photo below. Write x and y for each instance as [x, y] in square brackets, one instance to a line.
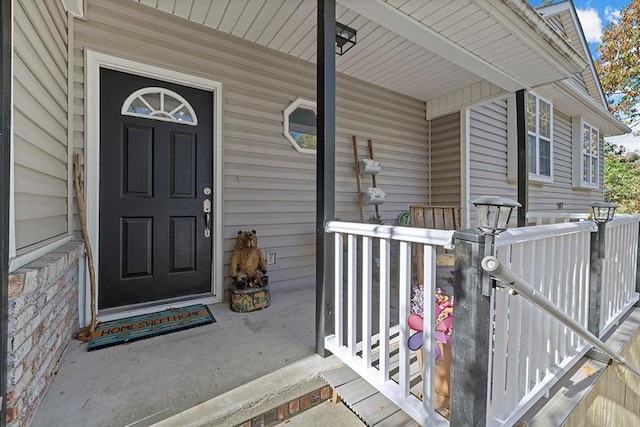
[435, 217]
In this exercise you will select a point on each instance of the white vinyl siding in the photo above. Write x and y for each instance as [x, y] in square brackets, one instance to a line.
[40, 123]
[488, 151]
[267, 185]
[445, 161]
[559, 195]
[488, 140]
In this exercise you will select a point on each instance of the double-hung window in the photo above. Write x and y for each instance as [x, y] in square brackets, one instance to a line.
[586, 154]
[540, 138]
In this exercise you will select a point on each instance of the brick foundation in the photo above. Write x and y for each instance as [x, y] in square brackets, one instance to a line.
[43, 313]
[287, 410]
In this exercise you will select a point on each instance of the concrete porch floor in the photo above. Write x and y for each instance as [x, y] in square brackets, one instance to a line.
[146, 381]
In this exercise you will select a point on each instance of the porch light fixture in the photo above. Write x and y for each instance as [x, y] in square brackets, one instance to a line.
[494, 213]
[345, 38]
[493, 218]
[603, 211]
[602, 214]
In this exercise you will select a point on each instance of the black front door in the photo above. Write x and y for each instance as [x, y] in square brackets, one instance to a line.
[155, 179]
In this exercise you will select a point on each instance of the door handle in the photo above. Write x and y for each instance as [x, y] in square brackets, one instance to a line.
[206, 208]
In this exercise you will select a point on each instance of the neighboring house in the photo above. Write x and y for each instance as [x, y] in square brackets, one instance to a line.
[173, 103]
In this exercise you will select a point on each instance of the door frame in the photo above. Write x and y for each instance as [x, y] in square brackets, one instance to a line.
[94, 61]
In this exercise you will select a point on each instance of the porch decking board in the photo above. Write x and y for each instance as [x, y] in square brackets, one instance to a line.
[355, 391]
[364, 400]
[375, 409]
[399, 419]
[339, 377]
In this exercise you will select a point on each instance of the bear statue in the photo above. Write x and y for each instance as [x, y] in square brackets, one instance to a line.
[248, 264]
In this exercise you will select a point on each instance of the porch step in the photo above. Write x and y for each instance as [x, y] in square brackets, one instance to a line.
[365, 401]
[264, 401]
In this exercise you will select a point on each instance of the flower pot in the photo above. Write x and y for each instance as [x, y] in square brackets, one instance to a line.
[369, 167]
[442, 374]
[374, 196]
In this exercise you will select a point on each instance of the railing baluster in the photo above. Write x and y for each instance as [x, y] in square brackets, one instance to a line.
[498, 387]
[557, 298]
[352, 293]
[634, 260]
[548, 269]
[626, 235]
[385, 299]
[573, 282]
[404, 302]
[607, 286]
[515, 387]
[584, 284]
[367, 255]
[428, 336]
[614, 288]
[339, 287]
[534, 347]
[564, 290]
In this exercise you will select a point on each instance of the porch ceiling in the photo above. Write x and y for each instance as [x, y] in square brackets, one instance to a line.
[424, 49]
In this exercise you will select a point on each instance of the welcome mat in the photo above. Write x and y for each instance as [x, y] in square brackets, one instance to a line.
[149, 325]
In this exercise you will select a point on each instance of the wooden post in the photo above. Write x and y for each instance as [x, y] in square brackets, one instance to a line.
[325, 168]
[523, 163]
[596, 257]
[354, 140]
[472, 333]
[373, 177]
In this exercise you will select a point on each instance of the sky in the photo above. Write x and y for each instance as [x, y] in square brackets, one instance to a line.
[594, 15]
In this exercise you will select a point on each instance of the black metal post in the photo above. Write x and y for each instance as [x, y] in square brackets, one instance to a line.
[472, 324]
[325, 168]
[596, 256]
[523, 164]
[5, 166]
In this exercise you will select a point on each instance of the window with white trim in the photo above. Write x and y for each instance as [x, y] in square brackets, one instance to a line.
[159, 103]
[300, 125]
[586, 157]
[590, 154]
[540, 138]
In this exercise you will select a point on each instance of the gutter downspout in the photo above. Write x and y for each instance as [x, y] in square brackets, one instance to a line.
[6, 44]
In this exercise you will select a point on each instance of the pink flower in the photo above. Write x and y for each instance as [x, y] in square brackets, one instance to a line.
[443, 323]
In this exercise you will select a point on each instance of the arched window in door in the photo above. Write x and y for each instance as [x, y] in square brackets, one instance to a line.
[158, 103]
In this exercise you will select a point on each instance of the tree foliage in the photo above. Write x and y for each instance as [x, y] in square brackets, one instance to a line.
[307, 140]
[619, 63]
[622, 178]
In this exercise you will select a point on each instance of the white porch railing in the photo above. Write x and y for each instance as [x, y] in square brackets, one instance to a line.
[531, 349]
[376, 348]
[618, 292]
[555, 217]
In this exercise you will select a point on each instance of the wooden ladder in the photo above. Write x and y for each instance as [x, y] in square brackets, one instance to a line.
[358, 180]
